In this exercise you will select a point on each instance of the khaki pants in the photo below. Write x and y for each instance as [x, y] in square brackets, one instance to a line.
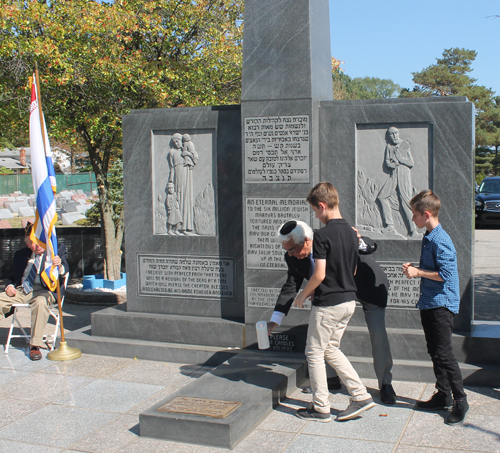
[326, 328]
[40, 299]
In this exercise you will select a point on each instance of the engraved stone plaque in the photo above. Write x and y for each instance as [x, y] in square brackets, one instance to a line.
[403, 292]
[264, 216]
[266, 298]
[186, 276]
[277, 149]
[200, 406]
[283, 342]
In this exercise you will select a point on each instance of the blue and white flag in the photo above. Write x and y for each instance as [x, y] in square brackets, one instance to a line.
[43, 232]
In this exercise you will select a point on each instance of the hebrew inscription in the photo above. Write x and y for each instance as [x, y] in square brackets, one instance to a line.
[263, 217]
[277, 149]
[186, 276]
[261, 297]
[403, 292]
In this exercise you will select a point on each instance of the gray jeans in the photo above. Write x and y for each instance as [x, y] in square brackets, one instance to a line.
[381, 349]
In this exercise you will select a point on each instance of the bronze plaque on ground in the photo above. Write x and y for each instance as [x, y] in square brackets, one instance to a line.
[200, 406]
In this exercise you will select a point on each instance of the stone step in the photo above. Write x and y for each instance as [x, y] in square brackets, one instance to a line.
[118, 323]
[406, 344]
[422, 371]
[148, 350]
[255, 382]
[404, 369]
[410, 344]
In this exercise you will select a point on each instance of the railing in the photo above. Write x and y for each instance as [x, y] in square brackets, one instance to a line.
[24, 183]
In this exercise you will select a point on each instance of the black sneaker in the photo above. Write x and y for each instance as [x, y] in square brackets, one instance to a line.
[439, 400]
[312, 414]
[355, 408]
[458, 412]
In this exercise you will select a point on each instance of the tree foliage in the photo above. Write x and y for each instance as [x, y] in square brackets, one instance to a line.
[6, 171]
[345, 87]
[450, 77]
[99, 60]
[376, 88]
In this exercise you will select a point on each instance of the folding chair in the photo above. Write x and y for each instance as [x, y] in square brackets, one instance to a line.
[50, 340]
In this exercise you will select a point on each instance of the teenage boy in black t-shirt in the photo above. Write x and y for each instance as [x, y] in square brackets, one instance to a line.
[335, 252]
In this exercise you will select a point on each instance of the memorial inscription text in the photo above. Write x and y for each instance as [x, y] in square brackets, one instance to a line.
[264, 216]
[277, 149]
[261, 297]
[186, 276]
[403, 292]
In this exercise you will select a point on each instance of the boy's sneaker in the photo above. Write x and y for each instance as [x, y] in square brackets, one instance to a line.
[312, 414]
[355, 408]
[439, 400]
[458, 413]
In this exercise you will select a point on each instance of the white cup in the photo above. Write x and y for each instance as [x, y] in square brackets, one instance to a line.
[262, 337]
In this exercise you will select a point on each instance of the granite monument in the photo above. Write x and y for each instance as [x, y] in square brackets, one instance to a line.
[206, 189]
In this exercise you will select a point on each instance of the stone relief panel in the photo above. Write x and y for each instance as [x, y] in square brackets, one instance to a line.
[183, 188]
[394, 163]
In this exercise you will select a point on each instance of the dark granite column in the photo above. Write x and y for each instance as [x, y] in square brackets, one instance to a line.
[286, 74]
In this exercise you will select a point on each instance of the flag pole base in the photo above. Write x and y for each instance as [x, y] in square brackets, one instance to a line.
[63, 352]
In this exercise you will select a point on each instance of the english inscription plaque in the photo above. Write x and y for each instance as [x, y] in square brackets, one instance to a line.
[261, 297]
[186, 276]
[200, 406]
[277, 149]
[264, 216]
[283, 342]
[403, 292]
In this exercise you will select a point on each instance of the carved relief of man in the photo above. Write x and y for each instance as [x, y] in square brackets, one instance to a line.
[181, 176]
[397, 190]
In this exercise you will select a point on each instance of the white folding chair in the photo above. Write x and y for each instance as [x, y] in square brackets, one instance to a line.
[50, 340]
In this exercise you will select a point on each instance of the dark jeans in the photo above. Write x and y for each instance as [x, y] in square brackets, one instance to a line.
[438, 327]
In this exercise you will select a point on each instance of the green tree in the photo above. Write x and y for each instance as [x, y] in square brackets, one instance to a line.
[375, 88]
[99, 60]
[345, 87]
[6, 171]
[450, 77]
[115, 182]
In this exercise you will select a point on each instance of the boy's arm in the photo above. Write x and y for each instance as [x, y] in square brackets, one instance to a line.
[412, 271]
[317, 277]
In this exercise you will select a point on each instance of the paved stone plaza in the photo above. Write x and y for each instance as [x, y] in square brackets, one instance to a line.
[92, 404]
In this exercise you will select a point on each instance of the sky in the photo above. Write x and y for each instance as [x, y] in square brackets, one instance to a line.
[391, 39]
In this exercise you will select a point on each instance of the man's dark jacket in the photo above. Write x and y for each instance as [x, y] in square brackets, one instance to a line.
[370, 279]
[21, 258]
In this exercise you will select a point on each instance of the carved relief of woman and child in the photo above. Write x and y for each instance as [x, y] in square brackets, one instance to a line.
[182, 158]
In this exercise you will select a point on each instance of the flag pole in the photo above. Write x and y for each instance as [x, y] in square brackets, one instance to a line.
[63, 352]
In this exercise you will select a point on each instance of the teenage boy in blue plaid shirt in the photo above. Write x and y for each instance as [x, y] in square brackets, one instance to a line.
[439, 301]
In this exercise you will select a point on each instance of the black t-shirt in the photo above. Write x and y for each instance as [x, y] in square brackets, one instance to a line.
[337, 243]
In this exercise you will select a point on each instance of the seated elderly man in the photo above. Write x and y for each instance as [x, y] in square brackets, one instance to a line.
[296, 238]
[26, 287]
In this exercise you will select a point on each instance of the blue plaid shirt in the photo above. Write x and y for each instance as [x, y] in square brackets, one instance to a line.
[438, 254]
